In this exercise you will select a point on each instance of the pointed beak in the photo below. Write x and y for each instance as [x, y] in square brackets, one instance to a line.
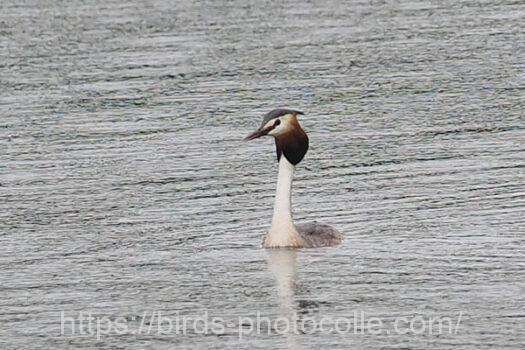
[257, 133]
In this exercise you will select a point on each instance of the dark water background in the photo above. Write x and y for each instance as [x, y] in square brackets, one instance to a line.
[125, 189]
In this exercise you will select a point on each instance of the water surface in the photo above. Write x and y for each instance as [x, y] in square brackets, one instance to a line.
[125, 189]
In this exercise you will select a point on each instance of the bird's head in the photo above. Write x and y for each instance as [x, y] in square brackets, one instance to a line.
[290, 138]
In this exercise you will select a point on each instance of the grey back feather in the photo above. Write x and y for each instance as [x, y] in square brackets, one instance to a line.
[316, 234]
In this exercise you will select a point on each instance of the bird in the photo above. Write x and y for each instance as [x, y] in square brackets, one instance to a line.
[291, 143]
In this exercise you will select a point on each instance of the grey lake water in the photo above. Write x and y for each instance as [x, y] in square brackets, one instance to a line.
[131, 213]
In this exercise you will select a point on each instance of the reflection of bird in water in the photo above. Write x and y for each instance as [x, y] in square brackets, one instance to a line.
[283, 264]
[292, 144]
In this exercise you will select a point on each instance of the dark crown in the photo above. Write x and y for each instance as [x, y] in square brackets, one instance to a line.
[276, 113]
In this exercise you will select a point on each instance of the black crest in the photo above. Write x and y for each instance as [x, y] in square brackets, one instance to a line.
[276, 113]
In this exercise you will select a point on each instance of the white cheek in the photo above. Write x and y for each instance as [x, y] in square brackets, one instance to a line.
[275, 131]
[282, 127]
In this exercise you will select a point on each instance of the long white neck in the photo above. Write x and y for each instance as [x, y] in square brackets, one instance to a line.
[282, 232]
[282, 210]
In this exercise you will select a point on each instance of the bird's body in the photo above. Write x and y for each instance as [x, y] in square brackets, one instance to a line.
[291, 144]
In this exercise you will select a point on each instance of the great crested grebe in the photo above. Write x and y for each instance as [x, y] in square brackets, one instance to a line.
[292, 144]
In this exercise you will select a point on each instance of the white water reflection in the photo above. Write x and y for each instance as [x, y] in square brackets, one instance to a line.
[283, 265]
